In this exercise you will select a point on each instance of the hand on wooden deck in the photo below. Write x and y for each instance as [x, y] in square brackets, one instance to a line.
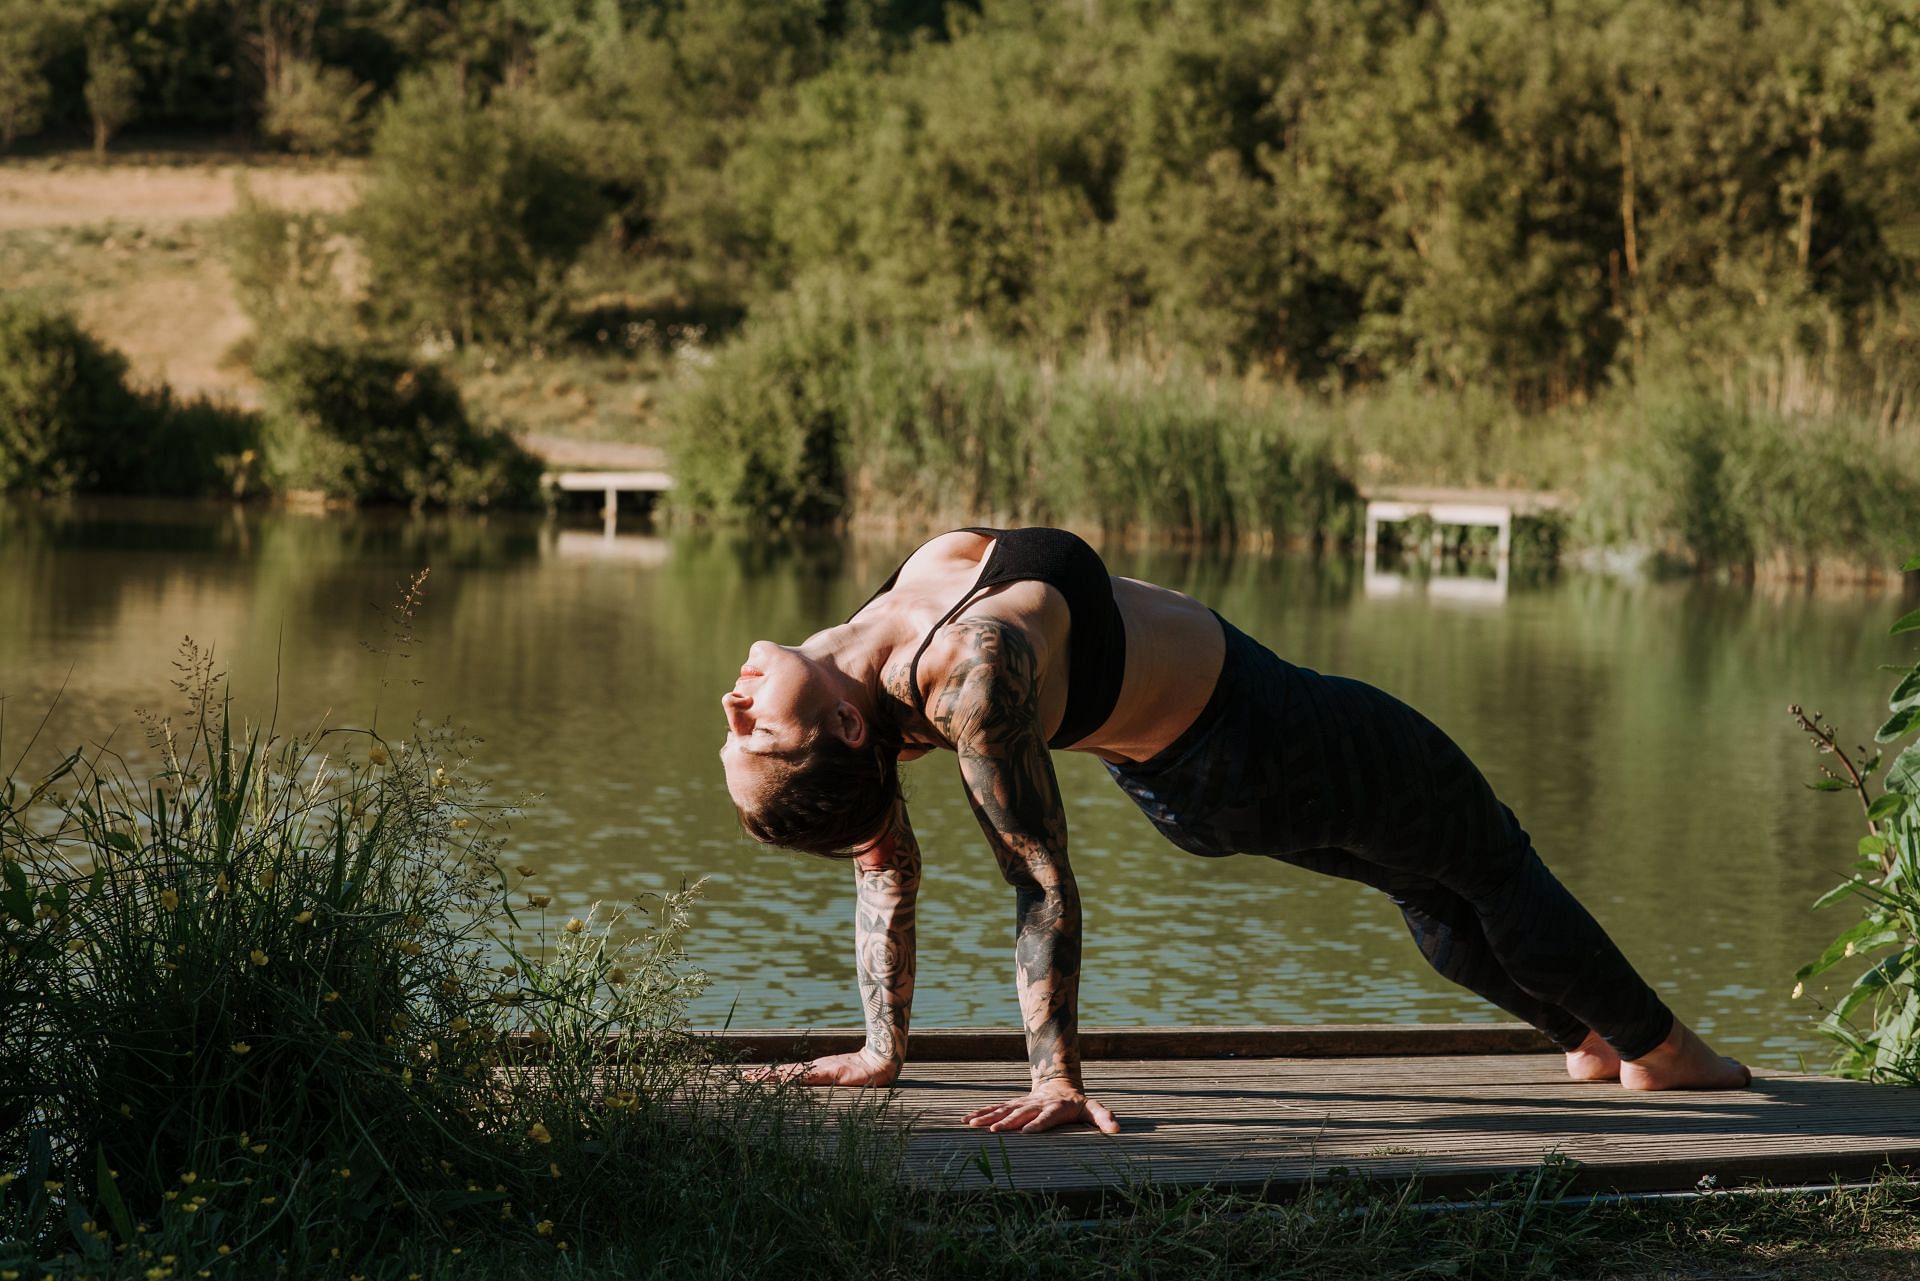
[857, 1068]
[1052, 1103]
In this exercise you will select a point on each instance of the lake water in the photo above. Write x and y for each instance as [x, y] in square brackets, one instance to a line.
[1638, 728]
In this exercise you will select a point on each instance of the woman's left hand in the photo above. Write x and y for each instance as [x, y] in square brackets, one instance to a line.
[1048, 1105]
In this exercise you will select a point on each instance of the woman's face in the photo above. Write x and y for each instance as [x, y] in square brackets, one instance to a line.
[774, 709]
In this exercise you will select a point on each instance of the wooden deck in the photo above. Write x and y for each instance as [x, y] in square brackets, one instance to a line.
[1207, 1107]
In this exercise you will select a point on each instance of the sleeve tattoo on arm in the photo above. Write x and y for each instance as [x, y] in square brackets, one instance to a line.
[988, 708]
[886, 890]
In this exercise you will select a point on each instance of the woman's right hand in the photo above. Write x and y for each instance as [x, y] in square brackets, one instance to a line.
[862, 1067]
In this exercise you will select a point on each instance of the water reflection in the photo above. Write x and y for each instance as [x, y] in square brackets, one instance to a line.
[1636, 727]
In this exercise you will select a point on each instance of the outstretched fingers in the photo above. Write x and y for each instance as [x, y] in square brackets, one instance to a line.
[1033, 1116]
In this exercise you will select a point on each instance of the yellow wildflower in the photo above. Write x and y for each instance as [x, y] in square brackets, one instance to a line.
[303, 918]
[575, 925]
[406, 1076]
[126, 1109]
[220, 883]
[169, 900]
[331, 997]
[544, 1227]
[225, 1249]
[377, 755]
[266, 878]
[76, 945]
[538, 1037]
[343, 1035]
[189, 1177]
[6, 1178]
[539, 1133]
[410, 948]
[269, 1200]
[459, 1024]
[459, 824]
[257, 957]
[241, 1047]
[525, 871]
[553, 1168]
[539, 900]
[256, 1148]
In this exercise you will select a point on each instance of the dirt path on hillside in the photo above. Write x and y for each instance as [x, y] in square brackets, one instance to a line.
[76, 195]
[148, 275]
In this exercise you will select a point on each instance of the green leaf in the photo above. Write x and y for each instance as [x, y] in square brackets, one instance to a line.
[1871, 984]
[1828, 785]
[1903, 776]
[1906, 693]
[120, 841]
[1886, 807]
[1838, 892]
[1872, 846]
[110, 1196]
[1913, 563]
[1897, 724]
[1908, 622]
[1848, 944]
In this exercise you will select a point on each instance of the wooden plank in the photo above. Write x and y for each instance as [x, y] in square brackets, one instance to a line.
[1270, 1127]
[1008, 1045]
[1520, 501]
[650, 482]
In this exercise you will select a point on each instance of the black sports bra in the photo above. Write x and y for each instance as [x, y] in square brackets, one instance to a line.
[1096, 634]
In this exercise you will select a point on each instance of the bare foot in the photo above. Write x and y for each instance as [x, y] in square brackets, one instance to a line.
[1593, 1061]
[1683, 1062]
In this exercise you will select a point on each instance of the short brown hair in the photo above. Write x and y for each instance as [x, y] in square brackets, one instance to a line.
[835, 799]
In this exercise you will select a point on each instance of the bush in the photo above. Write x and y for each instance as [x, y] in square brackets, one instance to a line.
[361, 424]
[283, 269]
[810, 416]
[1715, 483]
[69, 422]
[315, 109]
[1876, 1020]
[471, 213]
[67, 418]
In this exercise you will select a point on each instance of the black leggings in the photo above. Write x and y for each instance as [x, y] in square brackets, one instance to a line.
[1334, 775]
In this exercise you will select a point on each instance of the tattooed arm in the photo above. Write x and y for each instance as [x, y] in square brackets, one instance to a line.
[887, 885]
[988, 708]
[886, 879]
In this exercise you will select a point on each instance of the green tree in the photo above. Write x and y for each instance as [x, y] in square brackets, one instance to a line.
[472, 212]
[25, 92]
[113, 91]
[314, 108]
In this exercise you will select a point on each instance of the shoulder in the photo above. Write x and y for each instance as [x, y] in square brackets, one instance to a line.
[979, 670]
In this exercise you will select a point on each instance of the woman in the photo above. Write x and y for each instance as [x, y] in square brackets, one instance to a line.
[1000, 645]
